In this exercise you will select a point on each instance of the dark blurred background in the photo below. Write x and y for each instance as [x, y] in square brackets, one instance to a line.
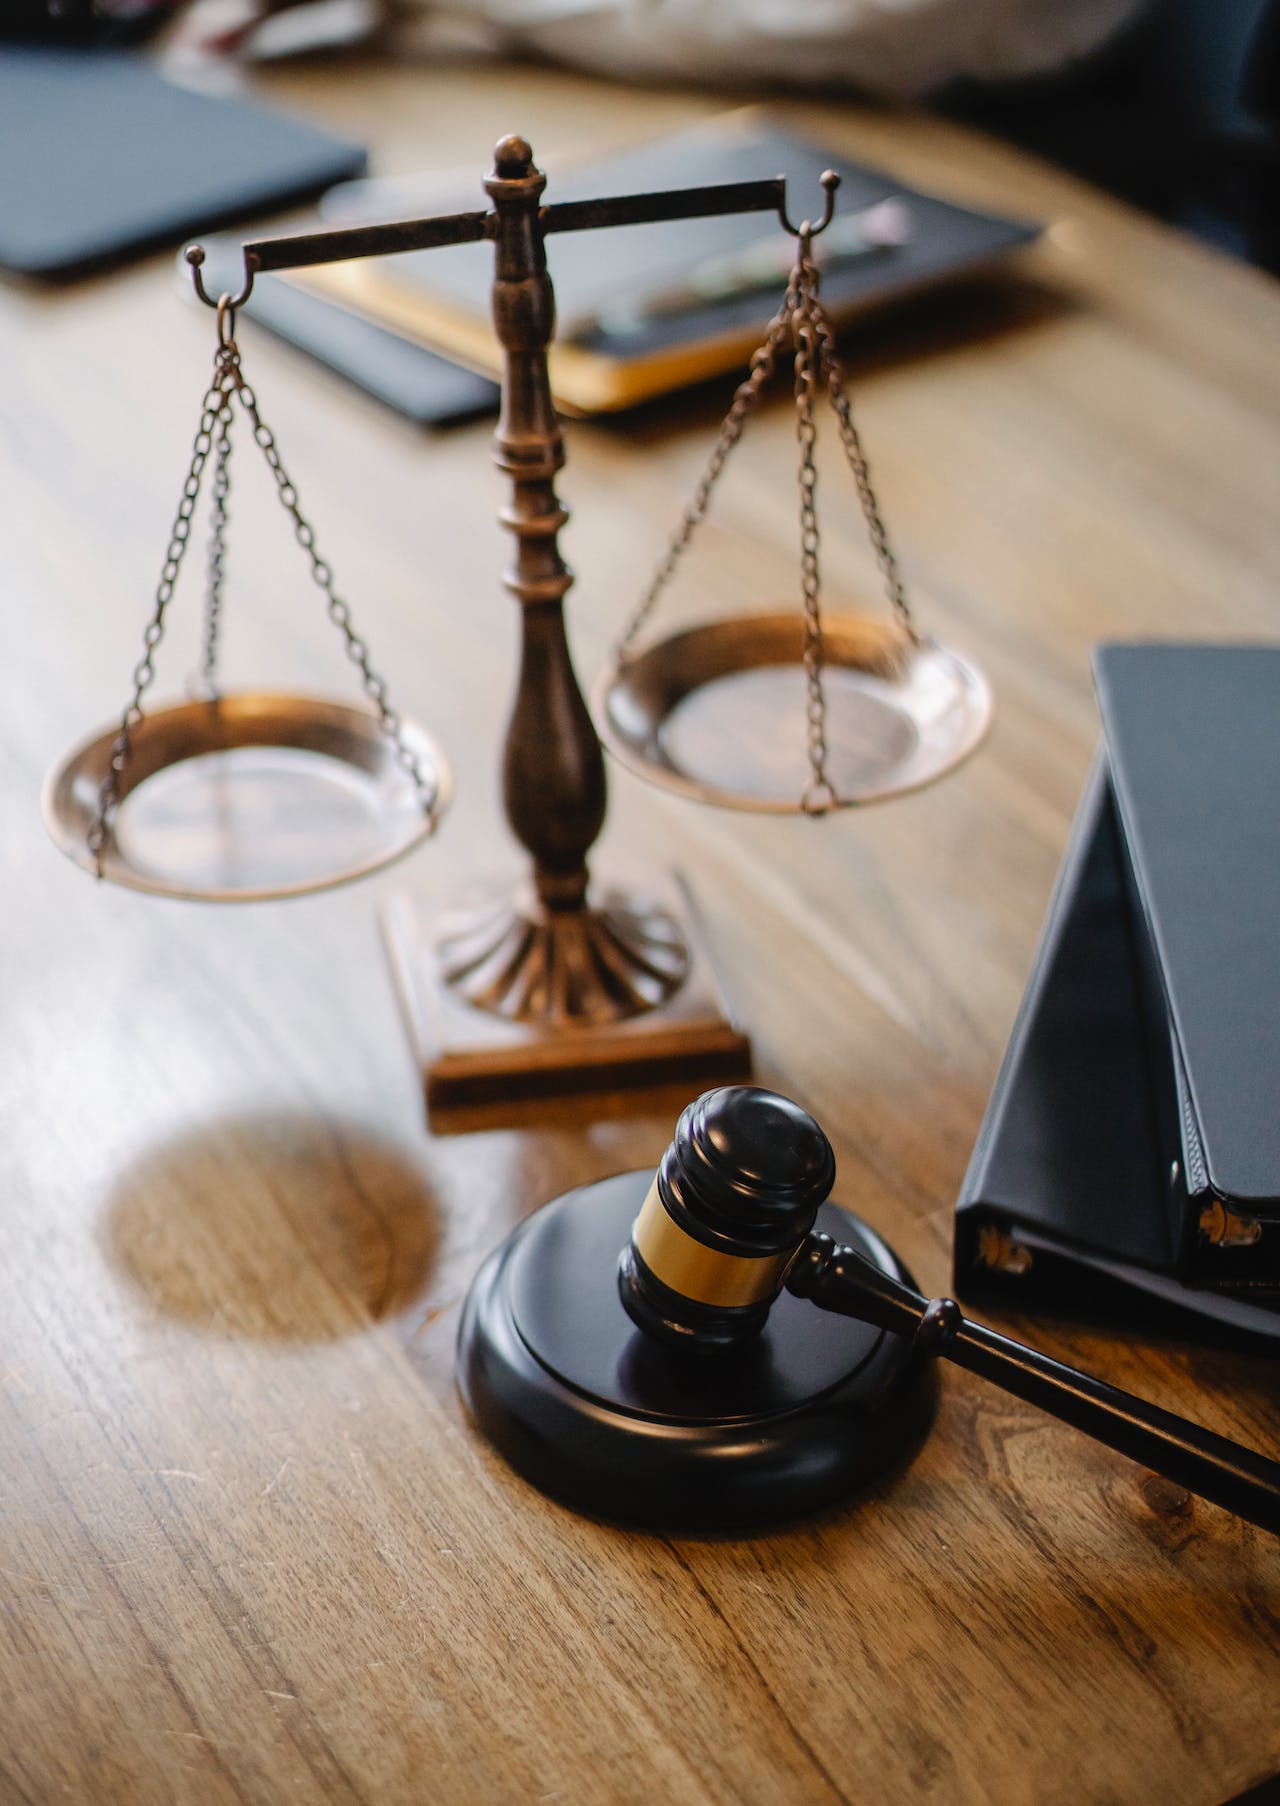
[82, 21]
[1179, 113]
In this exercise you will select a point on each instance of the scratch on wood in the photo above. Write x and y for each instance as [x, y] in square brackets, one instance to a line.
[433, 1315]
[27, 1580]
[279, 1474]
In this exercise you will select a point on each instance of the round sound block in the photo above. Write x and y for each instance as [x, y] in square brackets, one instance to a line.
[607, 1419]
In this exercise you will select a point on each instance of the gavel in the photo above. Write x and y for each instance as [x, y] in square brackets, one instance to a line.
[678, 1373]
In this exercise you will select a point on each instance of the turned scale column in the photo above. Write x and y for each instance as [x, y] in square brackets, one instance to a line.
[548, 956]
[555, 804]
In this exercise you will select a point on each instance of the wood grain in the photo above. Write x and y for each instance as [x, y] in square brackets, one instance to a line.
[249, 1548]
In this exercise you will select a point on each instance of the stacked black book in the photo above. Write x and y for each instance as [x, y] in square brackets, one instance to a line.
[1129, 1160]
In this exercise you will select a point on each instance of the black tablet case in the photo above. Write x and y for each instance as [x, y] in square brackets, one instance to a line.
[104, 158]
[406, 376]
[602, 276]
[1142, 1075]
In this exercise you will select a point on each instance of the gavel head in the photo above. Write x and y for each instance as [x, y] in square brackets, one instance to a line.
[733, 1200]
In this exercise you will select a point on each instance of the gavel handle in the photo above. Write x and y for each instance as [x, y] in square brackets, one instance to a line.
[1244, 1482]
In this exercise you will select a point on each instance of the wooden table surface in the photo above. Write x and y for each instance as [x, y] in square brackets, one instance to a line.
[250, 1548]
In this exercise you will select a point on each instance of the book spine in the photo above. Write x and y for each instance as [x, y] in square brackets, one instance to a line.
[1161, 1057]
[988, 1258]
[1227, 1247]
[1214, 1242]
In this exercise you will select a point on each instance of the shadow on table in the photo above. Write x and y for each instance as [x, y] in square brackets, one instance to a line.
[280, 1227]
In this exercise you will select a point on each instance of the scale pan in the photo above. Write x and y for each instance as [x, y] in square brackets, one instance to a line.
[251, 796]
[719, 712]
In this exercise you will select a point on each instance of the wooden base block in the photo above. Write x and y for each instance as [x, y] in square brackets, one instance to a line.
[475, 1064]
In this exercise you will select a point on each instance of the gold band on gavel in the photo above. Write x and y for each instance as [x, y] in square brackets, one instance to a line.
[695, 1271]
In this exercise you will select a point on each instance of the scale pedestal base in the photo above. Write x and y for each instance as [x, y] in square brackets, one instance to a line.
[613, 1422]
[472, 1059]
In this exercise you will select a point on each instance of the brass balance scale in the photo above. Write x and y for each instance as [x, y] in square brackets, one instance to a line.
[253, 795]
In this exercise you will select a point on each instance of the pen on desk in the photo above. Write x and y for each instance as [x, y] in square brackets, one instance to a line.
[883, 227]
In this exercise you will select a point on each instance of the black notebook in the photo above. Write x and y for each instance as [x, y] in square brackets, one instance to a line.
[1133, 1135]
[643, 310]
[418, 383]
[103, 158]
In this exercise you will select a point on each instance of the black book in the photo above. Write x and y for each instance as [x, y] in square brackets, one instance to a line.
[417, 383]
[1130, 1154]
[644, 310]
[104, 159]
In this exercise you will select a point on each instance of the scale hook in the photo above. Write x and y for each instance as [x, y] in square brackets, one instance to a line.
[195, 256]
[806, 228]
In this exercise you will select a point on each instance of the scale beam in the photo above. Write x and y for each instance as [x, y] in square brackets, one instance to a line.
[709, 202]
[344, 244]
[347, 242]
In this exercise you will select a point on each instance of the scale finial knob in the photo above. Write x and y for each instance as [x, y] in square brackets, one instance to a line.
[512, 157]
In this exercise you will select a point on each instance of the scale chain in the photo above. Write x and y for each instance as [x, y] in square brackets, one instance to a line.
[819, 794]
[803, 318]
[144, 671]
[213, 435]
[339, 611]
[763, 363]
[829, 363]
[216, 569]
